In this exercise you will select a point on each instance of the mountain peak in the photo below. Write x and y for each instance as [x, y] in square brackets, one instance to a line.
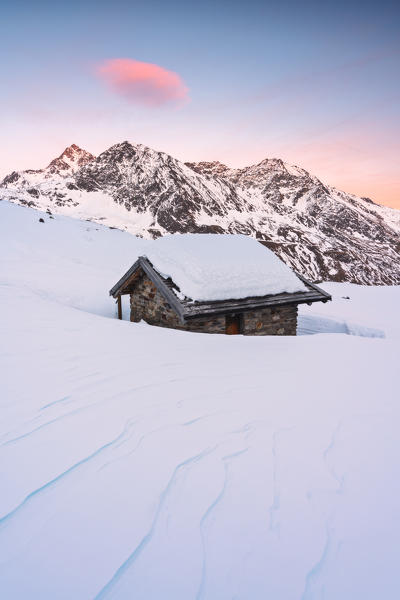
[213, 168]
[127, 152]
[278, 166]
[71, 150]
[70, 160]
[271, 164]
[119, 151]
[125, 145]
[272, 161]
[73, 147]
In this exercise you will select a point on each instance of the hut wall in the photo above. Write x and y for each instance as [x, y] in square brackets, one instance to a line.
[275, 320]
[148, 304]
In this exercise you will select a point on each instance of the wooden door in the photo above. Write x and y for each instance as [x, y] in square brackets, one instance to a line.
[232, 324]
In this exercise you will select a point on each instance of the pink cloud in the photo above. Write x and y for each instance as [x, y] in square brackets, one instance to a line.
[143, 83]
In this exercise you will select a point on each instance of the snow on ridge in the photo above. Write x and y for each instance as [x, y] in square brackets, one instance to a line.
[221, 267]
[318, 231]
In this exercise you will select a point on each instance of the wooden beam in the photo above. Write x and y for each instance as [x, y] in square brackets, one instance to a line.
[314, 286]
[118, 286]
[119, 307]
[248, 304]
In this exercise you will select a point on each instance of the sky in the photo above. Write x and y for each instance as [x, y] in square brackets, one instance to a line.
[316, 84]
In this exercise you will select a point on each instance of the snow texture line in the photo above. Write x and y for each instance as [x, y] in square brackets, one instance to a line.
[63, 399]
[326, 453]
[216, 501]
[62, 475]
[314, 573]
[202, 418]
[33, 431]
[76, 411]
[127, 564]
[276, 498]
[139, 442]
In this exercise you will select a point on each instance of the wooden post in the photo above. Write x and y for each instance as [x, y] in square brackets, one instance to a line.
[119, 307]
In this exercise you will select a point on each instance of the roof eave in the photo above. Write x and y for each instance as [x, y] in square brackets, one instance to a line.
[244, 305]
[119, 286]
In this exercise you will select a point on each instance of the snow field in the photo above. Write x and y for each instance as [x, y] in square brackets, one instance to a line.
[138, 462]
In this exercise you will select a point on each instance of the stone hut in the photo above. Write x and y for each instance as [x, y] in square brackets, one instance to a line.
[213, 283]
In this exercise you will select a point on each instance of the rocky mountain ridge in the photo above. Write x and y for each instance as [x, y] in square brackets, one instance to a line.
[323, 233]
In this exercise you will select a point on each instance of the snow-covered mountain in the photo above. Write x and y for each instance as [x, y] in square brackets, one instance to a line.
[69, 161]
[318, 230]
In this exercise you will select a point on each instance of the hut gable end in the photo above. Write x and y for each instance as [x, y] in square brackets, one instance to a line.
[149, 304]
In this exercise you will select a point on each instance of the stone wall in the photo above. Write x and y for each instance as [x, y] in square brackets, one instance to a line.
[277, 320]
[214, 324]
[148, 304]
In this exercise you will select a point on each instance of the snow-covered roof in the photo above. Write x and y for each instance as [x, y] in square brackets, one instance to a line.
[221, 267]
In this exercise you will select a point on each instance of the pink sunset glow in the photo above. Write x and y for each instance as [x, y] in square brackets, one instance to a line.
[143, 83]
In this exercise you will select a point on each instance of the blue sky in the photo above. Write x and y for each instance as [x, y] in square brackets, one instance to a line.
[315, 84]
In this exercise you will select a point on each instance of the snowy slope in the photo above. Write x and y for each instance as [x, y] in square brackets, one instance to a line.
[56, 258]
[319, 231]
[150, 463]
